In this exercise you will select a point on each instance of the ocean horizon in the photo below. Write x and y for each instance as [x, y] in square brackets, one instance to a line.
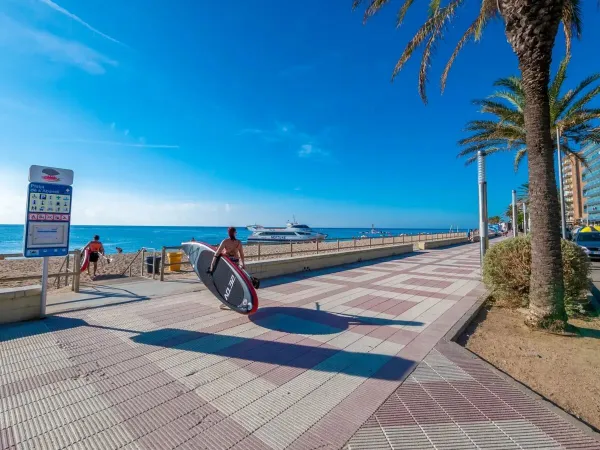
[132, 238]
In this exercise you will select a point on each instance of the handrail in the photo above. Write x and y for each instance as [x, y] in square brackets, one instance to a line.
[385, 240]
[131, 263]
[57, 281]
[20, 255]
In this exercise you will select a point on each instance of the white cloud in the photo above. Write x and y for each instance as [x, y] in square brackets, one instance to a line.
[307, 150]
[227, 207]
[77, 19]
[305, 143]
[113, 126]
[23, 39]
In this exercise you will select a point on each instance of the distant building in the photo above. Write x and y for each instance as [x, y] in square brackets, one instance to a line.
[591, 183]
[573, 189]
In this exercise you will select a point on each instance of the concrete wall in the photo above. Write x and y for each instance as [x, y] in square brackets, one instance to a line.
[442, 243]
[20, 303]
[284, 266]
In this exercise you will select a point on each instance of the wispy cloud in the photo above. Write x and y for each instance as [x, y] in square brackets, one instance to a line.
[23, 39]
[77, 19]
[307, 150]
[115, 143]
[304, 144]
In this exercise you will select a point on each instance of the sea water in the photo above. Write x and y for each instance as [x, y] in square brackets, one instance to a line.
[132, 238]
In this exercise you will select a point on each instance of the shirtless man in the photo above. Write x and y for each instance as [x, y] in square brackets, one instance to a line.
[232, 248]
[96, 250]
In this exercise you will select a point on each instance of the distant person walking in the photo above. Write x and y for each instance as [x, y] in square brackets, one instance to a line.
[96, 249]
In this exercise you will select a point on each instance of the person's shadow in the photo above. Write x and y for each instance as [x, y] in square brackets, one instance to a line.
[315, 321]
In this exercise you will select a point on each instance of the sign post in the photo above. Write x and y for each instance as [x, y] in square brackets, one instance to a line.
[48, 218]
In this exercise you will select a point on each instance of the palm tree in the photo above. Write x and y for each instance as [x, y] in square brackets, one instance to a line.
[530, 28]
[569, 113]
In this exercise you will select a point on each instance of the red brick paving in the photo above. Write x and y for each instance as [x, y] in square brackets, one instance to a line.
[307, 373]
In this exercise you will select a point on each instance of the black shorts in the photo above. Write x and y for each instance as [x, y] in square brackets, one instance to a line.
[94, 256]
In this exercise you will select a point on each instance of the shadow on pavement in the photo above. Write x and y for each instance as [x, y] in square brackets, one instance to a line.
[301, 354]
[314, 321]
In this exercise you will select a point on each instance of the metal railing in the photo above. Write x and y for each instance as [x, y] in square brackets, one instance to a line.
[74, 274]
[254, 252]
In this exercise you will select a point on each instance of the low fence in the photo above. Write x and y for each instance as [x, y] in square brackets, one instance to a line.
[262, 251]
[64, 272]
[67, 274]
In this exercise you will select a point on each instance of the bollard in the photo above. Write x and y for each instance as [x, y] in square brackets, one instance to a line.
[163, 258]
[76, 270]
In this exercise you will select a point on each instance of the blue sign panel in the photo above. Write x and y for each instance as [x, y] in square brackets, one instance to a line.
[48, 220]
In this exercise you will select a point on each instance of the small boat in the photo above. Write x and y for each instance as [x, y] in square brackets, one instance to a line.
[293, 232]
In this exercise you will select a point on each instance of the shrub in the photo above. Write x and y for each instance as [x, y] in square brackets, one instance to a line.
[507, 270]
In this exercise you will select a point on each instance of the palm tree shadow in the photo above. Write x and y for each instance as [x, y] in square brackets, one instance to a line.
[263, 354]
[316, 321]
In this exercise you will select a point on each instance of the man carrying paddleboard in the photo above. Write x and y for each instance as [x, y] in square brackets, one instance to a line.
[232, 248]
[96, 249]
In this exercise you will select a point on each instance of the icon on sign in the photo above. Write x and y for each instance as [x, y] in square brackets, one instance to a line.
[57, 217]
[33, 216]
[49, 217]
[41, 216]
[42, 209]
[34, 208]
[43, 196]
[64, 217]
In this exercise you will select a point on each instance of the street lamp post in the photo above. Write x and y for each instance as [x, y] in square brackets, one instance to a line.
[563, 219]
[483, 215]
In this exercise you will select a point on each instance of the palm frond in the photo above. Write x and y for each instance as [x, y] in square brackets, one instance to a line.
[426, 60]
[585, 99]
[402, 12]
[519, 158]
[557, 82]
[511, 97]
[430, 26]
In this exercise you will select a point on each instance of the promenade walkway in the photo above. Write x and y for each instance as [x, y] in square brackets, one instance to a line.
[322, 364]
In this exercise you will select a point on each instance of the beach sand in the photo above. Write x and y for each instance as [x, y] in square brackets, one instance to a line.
[120, 263]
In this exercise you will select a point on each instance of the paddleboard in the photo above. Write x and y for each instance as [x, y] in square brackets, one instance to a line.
[85, 260]
[228, 282]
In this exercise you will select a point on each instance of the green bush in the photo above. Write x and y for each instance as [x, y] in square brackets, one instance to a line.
[507, 269]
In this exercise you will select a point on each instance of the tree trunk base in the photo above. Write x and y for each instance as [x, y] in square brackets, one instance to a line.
[544, 321]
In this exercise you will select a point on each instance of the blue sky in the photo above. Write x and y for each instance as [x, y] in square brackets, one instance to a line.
[247, 112]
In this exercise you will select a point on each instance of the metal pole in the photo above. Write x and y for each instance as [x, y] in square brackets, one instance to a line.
[163, 258]
[483, 220]
[563, 218]
[515, 214]
[524, 218]
[45, 260]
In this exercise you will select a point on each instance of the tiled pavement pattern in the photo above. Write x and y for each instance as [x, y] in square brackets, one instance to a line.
[307, 371]
[453, 401]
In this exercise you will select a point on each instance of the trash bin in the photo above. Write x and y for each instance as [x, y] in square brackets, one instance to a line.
[174, 261]
[149, 264]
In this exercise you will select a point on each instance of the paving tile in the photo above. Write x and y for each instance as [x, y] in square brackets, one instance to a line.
[319, 366]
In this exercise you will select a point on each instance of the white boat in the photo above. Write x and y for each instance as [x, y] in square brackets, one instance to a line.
[293, 232]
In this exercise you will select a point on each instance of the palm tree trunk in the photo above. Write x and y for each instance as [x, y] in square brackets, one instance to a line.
[531, 27]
